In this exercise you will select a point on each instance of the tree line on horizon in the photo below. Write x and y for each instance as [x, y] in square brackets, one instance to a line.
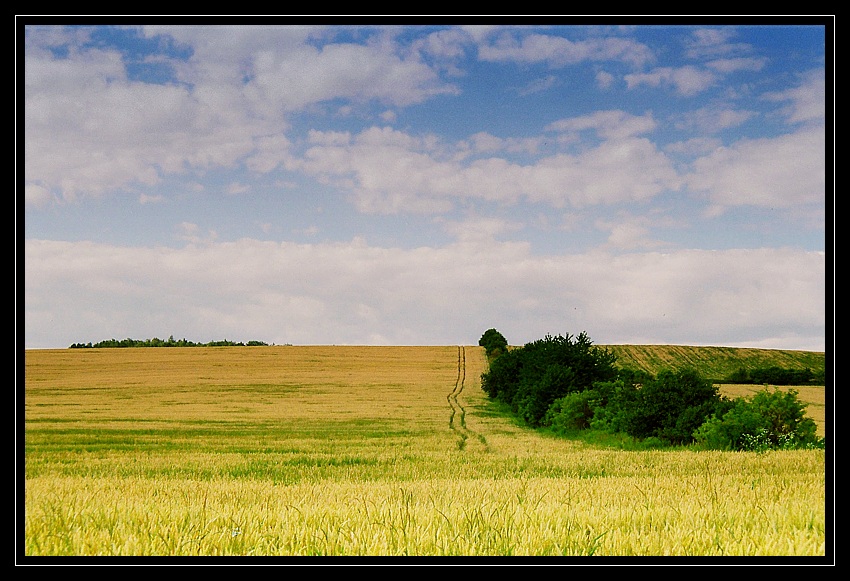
[157, 342]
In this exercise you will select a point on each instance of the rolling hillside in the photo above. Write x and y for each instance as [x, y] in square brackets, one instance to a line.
[713, 362]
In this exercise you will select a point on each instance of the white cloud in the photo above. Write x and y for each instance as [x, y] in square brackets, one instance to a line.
[356, 293]
[389, 171]
[480, 231]
[294, 79]
[90, 130]
[714, 43]
[446, 45]
[480, 32]
[37, 196]
[778, 172]
[558, 51]
[604, 80]
[713, 119]
[629, 233]
[271, 151]
[732, 65]
[807, 102]
[190, 232]
[709, 38]
[607, 124]
[687, 80]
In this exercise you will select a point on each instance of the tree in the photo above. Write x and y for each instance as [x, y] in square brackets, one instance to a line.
[670, 407]
[494, 343]
[501, 380]
[775, 375]
[531, 378]
[535, 395]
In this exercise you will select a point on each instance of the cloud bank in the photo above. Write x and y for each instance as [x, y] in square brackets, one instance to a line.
[359, 293]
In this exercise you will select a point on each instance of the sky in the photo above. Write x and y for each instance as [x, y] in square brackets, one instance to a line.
[412, 182]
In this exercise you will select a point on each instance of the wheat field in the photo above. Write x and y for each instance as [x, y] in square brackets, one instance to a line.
[349, 452]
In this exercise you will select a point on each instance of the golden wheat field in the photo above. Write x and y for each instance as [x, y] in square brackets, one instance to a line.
[338, 451]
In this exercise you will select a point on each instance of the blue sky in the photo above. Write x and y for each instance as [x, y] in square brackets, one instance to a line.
[399, 183]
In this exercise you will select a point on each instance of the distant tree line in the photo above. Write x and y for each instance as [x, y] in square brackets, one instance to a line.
[156, 342]
[775, 375]
[566, 384]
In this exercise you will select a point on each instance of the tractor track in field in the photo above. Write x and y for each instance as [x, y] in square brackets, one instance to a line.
[458, 412]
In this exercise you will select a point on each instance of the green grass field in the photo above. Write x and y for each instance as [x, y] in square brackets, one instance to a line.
[297, 451]
[713, 362]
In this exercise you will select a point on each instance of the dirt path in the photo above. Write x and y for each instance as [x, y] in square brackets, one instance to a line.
[457, 418]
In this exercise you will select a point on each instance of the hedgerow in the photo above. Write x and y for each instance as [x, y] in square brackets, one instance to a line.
[566, 384]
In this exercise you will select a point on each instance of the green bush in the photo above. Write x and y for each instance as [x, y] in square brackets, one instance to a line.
[610, 405]
[769, 420]
[530, 378]
[572, 412]
[670, 407]
[535, 395]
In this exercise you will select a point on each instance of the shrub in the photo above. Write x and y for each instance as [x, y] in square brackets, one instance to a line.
[574, 411]
[530, 378]
[535, 395]
[770, 420]
[613, 400]
[670, 407]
